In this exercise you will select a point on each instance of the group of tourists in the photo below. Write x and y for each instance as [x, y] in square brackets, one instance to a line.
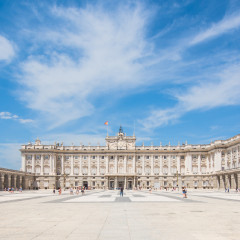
[78, 189]
[11, 189]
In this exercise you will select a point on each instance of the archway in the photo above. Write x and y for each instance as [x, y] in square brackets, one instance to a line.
[111, 184]
[85, 184]
[12, 181]
[18, 182]
[129, 185]
[23, 182]
[5, 182]
[236, 180]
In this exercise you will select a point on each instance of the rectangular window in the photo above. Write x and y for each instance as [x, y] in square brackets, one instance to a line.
[93, 157]
[147, 157]
[156, 157]
[102, 157]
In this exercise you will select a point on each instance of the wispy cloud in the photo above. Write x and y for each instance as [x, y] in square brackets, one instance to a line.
[108, 54]
[8, 115]
[6, 49]
[223, 90]
[228, 23]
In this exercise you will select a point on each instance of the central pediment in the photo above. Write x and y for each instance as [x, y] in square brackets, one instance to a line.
[121, 141]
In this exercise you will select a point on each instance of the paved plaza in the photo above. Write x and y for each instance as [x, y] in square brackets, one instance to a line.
[138, 215]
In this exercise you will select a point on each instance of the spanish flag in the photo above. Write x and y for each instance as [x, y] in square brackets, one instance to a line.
[106, 123]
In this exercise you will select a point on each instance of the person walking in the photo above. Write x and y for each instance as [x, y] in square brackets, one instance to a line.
[121, 191]
[184, 191]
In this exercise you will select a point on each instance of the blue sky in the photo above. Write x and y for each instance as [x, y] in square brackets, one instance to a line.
[172, 68]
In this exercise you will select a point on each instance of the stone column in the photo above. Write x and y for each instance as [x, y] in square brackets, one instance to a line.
[233, 186]
[125, 164]
[199, 164]
[54, 164]
[98, 165]
[80, 165]
[2, 181]
[238, 179]
[115, 164]
[152, 165]
[231, 163]
[41, 172]
[225, 158]
[143, 165]
[125, 182]
[207, 160]
[115, 183]
[89, 165]
[9, 180]
[62, 163]
[161, 165]
[107, 164]
[15, 181]
[134, 182]
[169, 165]
[33, 162]
[218, 160]
[72, 165]
[51, 164]
[178, 163]
[134, 164]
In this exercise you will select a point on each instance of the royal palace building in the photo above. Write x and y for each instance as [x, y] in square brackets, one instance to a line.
[123, 164]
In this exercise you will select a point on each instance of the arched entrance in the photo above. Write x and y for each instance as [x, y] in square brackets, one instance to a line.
[12, 181]
[229, 181]
[236, 180]
[111, 184]
[18, 182]
[85, 184]
[23, 182]
[130, 184]
[5, 183]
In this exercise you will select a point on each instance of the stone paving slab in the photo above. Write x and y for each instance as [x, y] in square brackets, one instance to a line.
[201, 217]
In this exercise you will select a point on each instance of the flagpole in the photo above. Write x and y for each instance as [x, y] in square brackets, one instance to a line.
[107, 130]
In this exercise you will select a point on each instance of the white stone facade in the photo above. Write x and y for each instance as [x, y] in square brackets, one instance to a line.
[123, 164]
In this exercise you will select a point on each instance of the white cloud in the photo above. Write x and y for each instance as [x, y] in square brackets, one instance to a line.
[8, 115]
[6, 49]
[228, 23]
[110, 56]
[224, 91]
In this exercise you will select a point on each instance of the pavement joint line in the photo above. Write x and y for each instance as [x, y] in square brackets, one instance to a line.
[218, 198]
[23, 199]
